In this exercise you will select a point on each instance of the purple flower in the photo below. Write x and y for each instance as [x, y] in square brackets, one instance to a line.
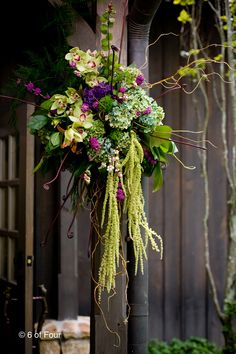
[94, 94]
[122, 89]
[148, 110]
[94, 143]
[139, 79]
[120, 195]
[53, 112]
[29, 86]
[73, 64]
[149, 156]
[37, 91]
[84, 107]
[47, 96]
[95, 104]
[138, 114]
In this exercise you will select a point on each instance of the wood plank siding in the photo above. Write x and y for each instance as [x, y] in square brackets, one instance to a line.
[179, 293]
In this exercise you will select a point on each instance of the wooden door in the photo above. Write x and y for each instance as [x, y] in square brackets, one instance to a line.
[16, 230]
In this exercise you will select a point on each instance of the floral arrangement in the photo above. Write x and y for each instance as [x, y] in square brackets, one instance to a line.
[108, 132]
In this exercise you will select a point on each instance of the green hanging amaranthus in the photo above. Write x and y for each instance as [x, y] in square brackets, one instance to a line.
[134, 209]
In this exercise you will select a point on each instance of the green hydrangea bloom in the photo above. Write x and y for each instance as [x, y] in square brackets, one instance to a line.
[120, 140]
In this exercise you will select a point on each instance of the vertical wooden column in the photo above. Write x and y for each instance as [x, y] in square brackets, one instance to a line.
[139, 23]
[29, 232]
[26, 223]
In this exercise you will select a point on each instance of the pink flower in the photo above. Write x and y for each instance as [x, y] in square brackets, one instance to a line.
[91, 64]
[72, 64]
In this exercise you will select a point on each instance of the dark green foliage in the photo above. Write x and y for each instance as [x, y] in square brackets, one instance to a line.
[193, 345]
[42, 61]
[228, 328]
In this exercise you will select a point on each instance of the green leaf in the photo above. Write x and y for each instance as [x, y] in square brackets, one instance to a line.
[161, 136]
[46, 104]
[82, 167]
[37, 122]
[218, 57]
[194, 51]
[105, 44]
[159, 154]
[111, 22]
[157, 178]
[55, 139]
[109, 36]
[105, 104]
[184, 17]
[104, 17]
[104, 28]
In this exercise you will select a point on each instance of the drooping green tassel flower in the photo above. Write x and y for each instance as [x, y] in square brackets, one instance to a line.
[139, 231]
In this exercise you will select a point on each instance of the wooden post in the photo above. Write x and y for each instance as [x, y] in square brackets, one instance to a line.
[26, 226]
[139, 23]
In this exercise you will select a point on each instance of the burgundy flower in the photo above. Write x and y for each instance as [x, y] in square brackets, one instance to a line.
[122, 89]
[37, 91]
[139, 79]
[29, 86]
[94, 143]
[148, 110]
[84, 107]
[120, 195]
[95, 104]
[149, 156]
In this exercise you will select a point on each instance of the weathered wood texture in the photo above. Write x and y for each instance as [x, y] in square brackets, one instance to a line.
[180, 300]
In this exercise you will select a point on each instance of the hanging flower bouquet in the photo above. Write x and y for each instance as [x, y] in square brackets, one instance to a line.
[107, 131]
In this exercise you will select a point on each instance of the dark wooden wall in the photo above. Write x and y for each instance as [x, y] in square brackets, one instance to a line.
[180, 298]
